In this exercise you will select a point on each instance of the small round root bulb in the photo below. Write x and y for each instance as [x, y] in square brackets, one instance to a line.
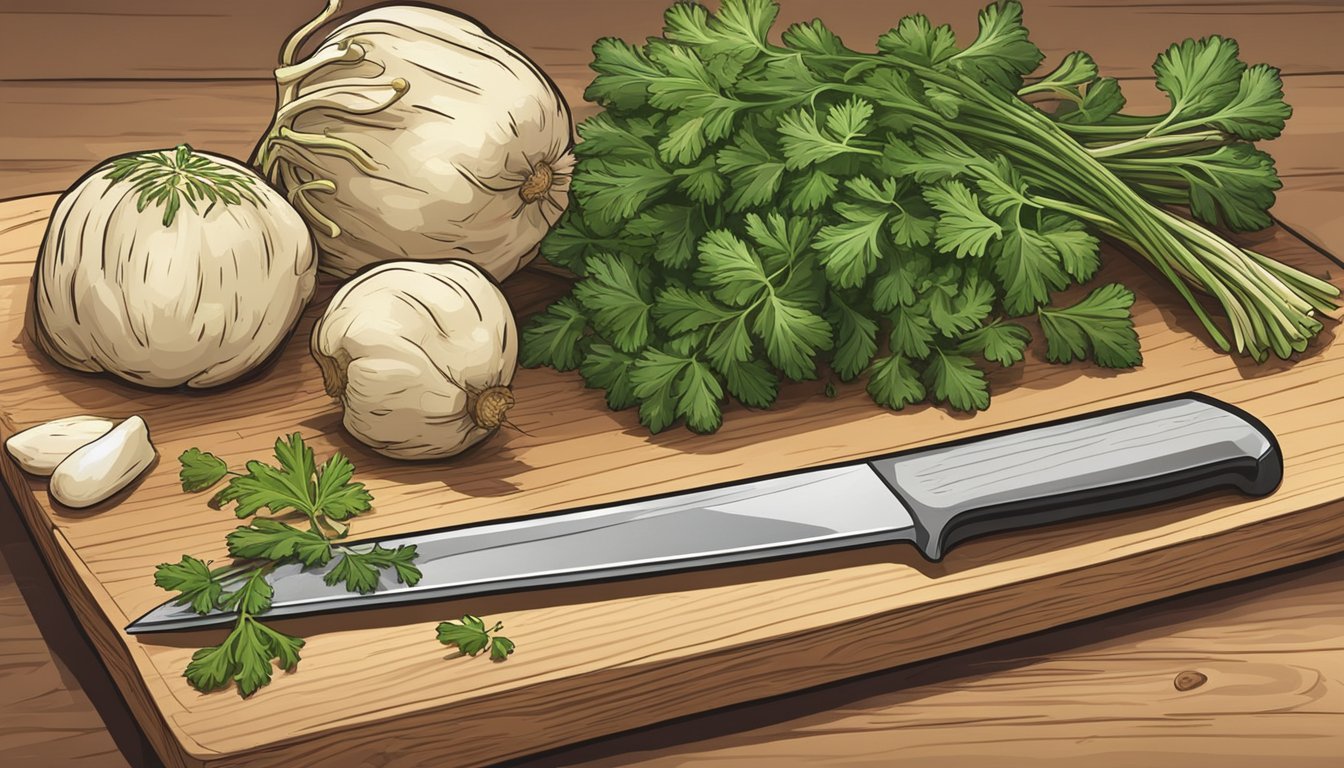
[538, 183]
[491, 406]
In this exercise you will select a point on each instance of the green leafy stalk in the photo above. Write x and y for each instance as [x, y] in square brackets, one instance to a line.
[747, 212]
[324, 495]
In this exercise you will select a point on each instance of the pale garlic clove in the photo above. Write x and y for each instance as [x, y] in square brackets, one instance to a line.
[40, 449]
[96, 471]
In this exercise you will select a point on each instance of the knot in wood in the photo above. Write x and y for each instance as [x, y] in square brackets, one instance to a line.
[1190, 680]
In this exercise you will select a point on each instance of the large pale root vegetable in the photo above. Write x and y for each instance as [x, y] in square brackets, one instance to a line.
[171, 267]
[413, 133]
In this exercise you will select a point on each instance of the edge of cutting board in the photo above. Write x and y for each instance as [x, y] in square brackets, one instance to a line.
[374, 686]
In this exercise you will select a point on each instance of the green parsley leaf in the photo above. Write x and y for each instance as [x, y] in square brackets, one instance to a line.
[916, 39]
[954, 379]
[793, 335]
[957, 310]
[471, 636]
[1029, 268]
[554, 337]
[609, 368]
[1002, 343]
[359, 570]
[613, 190]
[1002, 53]
[911, 333]
[267, 539]
[1078, 250]
[963, 229]
[673, 230]
[751, 382]
[1200, 76]
[810, 191]
[253, 597]
[615, 293]
[501, 648]
[654, 379]
[813, 37]
[198, 586]
[623, 75]
[731, 269]
[1075, 70]
[894, 384]
[851, 250]
[698, 395]
[1100, 323]
[754, 174]
[856, 340]
[605, 135]
[702, 183]
[200, 470]
[297, 484]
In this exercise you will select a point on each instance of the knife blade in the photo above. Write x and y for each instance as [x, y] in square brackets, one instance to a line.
[1124, 458]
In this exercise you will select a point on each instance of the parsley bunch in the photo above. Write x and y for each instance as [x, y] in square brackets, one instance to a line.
[326, 497]
[746, 212]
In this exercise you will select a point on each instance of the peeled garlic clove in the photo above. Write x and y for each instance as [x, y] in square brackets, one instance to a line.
[98, 470]
[39, 449]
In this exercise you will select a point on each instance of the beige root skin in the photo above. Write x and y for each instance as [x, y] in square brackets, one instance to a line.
[333, 371]
[488, 408]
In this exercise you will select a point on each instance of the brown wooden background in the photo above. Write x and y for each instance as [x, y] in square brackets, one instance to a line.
[84, 79]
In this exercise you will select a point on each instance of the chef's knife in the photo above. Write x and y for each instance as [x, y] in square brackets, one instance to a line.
[1125, 458]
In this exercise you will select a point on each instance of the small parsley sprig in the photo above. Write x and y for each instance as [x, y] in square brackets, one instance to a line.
[471, 636]
[325, 497]
[173, 177]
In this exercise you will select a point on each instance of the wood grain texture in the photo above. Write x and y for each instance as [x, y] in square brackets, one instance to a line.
[1102, 693]
[649, 664]
[737, 626]
[177, 39]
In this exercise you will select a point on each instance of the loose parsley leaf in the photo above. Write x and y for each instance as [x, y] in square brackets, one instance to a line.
[500, 648]
[471, 636]
[200, 470]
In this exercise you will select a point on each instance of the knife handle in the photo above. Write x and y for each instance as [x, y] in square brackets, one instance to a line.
[1130, 457]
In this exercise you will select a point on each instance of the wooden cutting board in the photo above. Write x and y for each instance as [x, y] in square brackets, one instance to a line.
[375, 688]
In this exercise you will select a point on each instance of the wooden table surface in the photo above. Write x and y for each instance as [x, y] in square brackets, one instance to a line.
[78, 83]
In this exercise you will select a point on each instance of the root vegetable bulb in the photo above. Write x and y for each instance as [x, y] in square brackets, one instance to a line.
[413, 133]
[421, 356]
[171, 267]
